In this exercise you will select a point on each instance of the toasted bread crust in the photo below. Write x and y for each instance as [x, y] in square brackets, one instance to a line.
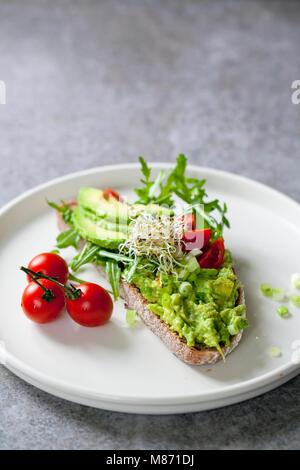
[134, 300]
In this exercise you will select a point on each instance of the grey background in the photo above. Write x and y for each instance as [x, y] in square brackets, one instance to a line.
[98, 82]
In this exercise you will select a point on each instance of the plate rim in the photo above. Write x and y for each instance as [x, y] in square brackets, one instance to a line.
[82, 392]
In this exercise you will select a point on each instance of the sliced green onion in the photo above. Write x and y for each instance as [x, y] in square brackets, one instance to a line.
[278, 294]
[185, 289]
[232, 330]
[130, 316]
[295, 280]
[295, 299]
[175, 299]
[282, 311]
[192, 264]
[275, 352]
[266, 289]
[183, 274]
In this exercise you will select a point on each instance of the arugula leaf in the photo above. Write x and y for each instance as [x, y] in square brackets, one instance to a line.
[64, 209]
[166, 191]
[113, 272]
[145, 169]
[68, 238]
[115, 256]
[143, 193]
[87, 255]
[131, 271]
[157, 183]
[189, 190]
[147, 194]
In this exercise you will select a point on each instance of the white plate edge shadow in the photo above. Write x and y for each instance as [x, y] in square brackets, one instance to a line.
[155, 408]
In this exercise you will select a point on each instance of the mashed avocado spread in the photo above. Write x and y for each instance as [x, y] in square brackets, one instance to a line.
[200, 305]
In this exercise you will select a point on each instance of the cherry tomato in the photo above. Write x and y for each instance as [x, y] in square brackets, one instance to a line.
[196, 239]
[111, 193]
[38, 309]
[213, 255]
[93, 307]
[189, 222]
[51, 265]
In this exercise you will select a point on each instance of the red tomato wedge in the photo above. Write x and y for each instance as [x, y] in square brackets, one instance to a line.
[195, 239]
[213, 255]
[108, 192]
[189, 222]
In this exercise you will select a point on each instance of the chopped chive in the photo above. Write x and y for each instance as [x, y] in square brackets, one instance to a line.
[295, 299]
[275, 352]
[130, 316]
[282, 311]
[267, 289]
[295, 280]
[278, 294]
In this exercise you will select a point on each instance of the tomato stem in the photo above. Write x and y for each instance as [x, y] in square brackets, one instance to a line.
[48, 293]
[71, 292]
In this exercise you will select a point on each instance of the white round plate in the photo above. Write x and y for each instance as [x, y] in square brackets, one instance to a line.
[128, 369]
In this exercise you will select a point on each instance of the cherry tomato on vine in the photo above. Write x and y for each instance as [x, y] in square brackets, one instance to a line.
[92, 308]
[51, 265]
[36, 307]
[213, 255]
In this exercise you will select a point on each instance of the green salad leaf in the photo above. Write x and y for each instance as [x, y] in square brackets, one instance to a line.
[68, 238]
[87, 255]
[64, 209]
[113, 272]
[209, 214]
[147, 194]
[113, 255]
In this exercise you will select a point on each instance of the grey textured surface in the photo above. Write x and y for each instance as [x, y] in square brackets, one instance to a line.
[97, 82]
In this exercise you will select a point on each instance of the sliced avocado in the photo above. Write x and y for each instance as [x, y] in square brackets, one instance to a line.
[93, 199]
[104, 223]
[153, 209]
[95, 234]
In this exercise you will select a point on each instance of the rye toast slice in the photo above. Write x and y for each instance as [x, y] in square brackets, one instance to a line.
[194, 355]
